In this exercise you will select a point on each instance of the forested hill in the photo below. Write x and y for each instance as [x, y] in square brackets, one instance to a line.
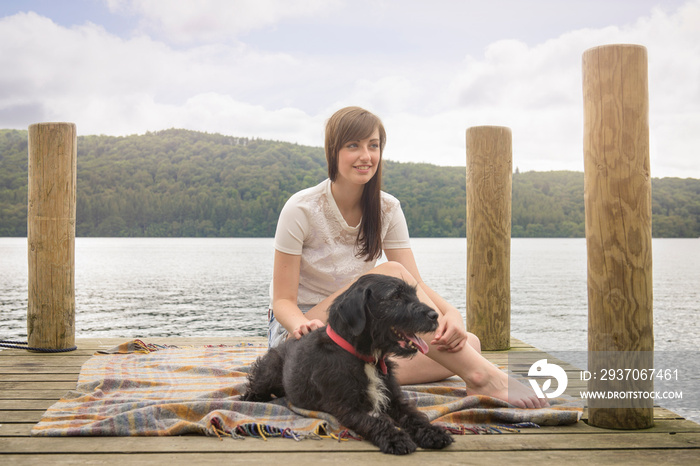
[187, 183]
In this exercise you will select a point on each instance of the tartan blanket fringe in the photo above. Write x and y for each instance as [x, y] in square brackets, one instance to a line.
[265, 431]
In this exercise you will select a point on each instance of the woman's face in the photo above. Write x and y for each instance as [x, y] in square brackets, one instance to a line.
[358, 160]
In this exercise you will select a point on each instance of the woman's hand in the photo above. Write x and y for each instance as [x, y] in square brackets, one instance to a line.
[450, 336]
[307, 327]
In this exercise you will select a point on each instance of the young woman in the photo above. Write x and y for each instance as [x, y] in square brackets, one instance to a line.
[331, 234]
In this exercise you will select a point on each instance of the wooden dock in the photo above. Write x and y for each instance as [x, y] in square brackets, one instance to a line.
[31, 382]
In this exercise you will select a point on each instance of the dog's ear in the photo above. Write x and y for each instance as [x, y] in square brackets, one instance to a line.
[350, 309]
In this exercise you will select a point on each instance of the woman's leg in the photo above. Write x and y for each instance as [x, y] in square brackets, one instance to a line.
[421, 369]
[481, 377]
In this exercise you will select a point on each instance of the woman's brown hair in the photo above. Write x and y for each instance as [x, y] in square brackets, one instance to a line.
[354, 124]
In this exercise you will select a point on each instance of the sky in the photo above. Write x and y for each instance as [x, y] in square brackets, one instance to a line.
[278, 69]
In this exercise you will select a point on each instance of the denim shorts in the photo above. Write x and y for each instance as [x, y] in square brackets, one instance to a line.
[276, 333]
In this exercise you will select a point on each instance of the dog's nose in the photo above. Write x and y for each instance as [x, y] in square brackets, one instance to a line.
[432, 315]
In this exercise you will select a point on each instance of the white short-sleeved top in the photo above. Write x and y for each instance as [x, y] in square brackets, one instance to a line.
[311, 225]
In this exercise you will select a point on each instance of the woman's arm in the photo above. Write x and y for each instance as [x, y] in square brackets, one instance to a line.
[285, 286]
[451, 334]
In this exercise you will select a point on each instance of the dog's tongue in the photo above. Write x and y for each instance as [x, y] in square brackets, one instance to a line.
[419, 342]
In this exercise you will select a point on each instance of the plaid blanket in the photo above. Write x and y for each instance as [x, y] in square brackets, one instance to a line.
[140, 389]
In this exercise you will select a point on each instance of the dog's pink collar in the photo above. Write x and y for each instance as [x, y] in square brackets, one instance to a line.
[343, 343]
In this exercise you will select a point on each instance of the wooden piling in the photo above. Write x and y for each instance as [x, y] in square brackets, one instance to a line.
[51, 235]
[618, 229]
[489, 194]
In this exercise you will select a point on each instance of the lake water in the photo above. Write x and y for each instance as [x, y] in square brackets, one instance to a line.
[148, 287]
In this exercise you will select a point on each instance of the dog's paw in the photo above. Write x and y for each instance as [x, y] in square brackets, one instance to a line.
[398, 443]
[433, 437]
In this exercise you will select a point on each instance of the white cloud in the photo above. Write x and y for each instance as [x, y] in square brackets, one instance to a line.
[107, 84]
[110, 85]
[537, 92]
[213, 112]
[185, 21]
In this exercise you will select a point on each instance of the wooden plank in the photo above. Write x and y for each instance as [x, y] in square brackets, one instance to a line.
[32, 394]
[34, 385]
[467, 443]
[87, 346]
[20, 416]
[42, 370]
[102, 343]
[32, 416]
[663, 413]
[34, 377]
[659, 414]
[19, 405]
[652, 457]
[15, 430]
[29, 363]
[515, 349]
[19, 354]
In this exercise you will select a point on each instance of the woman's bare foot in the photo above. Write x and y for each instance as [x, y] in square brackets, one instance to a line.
[491, 381]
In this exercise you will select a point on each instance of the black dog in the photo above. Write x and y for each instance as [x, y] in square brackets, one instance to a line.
[342, 368]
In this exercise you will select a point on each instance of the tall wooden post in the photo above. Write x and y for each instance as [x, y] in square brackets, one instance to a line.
[489, 193]
[618, 229]
[51, 235]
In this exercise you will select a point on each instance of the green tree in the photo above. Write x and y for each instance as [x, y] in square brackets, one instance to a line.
[186, 183]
